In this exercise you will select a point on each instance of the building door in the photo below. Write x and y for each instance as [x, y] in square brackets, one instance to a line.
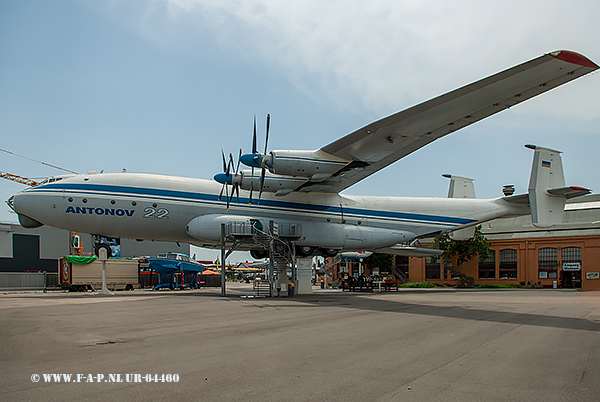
[571, 267]
[571, 279]
[566, 279]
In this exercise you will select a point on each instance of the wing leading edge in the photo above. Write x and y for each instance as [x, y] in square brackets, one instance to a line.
[385, 141]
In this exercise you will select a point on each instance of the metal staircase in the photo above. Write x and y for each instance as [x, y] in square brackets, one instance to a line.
[399, 274]
[261, 288]
[278, 241]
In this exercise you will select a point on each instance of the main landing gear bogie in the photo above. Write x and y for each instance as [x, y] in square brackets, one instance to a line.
[301, 251]
[100, 246]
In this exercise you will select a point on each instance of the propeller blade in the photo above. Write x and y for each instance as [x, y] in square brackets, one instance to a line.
[262, 182]
[226, 193]
[267, 139]
[224, 163]
[230, 198]
[251, 187]
[221, 193]
[237, 168]
[229, 165]
[254, 138]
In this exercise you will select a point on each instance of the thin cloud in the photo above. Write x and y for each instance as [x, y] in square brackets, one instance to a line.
[376, 57]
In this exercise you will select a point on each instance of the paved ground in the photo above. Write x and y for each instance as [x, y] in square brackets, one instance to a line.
[415, 345]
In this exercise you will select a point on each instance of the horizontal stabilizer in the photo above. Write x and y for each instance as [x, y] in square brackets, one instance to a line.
[569, 192]
[410, 251]
[463, 234]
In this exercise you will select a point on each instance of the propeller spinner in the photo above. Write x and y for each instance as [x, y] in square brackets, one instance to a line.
[229, 179]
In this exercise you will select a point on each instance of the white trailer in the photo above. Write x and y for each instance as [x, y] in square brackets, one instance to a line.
[121, 274]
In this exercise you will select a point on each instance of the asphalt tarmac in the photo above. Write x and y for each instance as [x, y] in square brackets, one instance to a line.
[414, 345]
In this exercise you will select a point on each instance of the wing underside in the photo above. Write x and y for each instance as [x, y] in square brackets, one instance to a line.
[385, 141]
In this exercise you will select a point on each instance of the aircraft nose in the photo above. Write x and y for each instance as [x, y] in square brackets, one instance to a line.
[24, 220]
[11, 202]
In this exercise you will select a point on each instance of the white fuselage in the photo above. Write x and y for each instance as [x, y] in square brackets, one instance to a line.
[169, 208]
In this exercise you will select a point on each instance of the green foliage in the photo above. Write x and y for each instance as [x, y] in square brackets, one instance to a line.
[464, 250]
[419, 285]
[379, 260]
[500, 286]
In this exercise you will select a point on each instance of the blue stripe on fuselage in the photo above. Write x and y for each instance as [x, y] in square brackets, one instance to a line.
[300, 207]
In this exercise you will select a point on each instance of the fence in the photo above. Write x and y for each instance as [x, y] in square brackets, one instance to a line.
[49, 280]
[28, 280]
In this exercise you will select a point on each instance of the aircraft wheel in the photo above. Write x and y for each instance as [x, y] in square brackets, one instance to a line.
[100, 246]
[329, 252]
[279, 248]
[258, 254]
[304, 251]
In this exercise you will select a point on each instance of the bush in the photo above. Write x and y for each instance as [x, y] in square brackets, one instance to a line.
[500, 286]
[419, 285]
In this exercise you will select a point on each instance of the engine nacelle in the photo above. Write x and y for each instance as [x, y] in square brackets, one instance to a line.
[314, 234]
[273, 183]
[208, 227]
[350, 237]
[315, 165]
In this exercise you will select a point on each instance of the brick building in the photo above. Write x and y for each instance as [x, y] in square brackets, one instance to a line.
[568, 254]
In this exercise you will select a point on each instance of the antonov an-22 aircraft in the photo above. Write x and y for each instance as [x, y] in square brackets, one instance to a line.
[302, 187]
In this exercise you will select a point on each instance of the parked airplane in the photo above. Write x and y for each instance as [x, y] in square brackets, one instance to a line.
[301, 188]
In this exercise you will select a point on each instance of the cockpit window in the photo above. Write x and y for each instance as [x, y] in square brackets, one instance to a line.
[51, 180]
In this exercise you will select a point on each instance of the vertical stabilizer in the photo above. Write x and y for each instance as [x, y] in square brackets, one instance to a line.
[461, 187]
[546, 175]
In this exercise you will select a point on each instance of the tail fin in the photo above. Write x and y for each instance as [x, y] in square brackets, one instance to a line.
[547, 191]
[461, 187]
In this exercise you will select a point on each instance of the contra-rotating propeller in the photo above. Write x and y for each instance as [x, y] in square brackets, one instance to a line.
[227, 178]
[262, 161]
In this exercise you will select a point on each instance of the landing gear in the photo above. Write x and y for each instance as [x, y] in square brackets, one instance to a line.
[259, 254]
[100, 246]
[328, 252]
[304, 251]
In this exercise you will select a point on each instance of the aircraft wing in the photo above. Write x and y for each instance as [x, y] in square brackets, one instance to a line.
[385, 141]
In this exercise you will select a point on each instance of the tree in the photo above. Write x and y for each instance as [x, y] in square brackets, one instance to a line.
[379, 260]
[463, 250]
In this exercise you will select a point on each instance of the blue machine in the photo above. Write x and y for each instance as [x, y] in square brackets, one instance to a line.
[169, 264]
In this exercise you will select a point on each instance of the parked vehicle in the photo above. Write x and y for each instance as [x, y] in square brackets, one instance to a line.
[85, 273]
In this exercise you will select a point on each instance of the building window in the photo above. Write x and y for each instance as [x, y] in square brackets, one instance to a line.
[547, 263]
[508, 264]
[487, 267]
[432, 269]
[571, 255]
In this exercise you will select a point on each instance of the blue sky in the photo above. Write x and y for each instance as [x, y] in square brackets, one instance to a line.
[162, 86]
